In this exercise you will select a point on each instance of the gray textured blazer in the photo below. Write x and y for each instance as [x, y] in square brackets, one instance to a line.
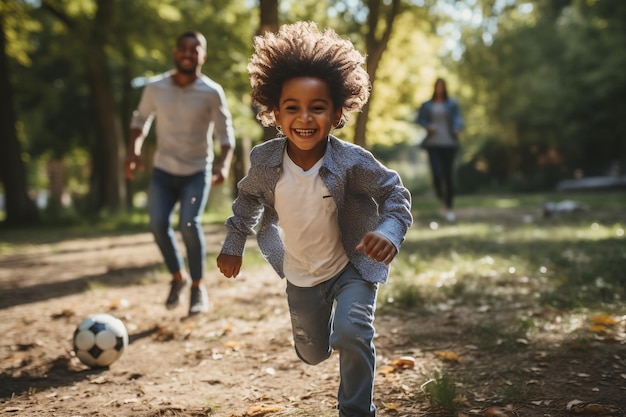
[369, 197]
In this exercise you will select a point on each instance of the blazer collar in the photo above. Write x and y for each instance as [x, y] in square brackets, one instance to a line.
[276, 149]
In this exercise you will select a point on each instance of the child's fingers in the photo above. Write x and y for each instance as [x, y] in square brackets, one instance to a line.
[229, 265]
[230, 271]
[236, 271]
[392, 254]
[380, 250]
[384, 254]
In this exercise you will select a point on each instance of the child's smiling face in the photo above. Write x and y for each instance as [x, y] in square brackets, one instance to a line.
[306, 114]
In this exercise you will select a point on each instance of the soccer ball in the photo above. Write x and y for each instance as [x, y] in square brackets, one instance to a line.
[99, 340]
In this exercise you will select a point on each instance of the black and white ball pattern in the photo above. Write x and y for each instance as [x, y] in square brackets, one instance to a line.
[100, 340]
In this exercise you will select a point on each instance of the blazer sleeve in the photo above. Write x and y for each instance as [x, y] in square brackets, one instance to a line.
[422, 116]
[392, 197]
[247, 209]
[457, 117]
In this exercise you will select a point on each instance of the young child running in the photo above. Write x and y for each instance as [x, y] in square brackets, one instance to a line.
[332, 217]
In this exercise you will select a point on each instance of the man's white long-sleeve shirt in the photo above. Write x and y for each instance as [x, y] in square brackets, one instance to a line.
[188, 120]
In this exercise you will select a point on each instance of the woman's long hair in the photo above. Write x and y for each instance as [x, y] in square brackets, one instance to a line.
[443, 85]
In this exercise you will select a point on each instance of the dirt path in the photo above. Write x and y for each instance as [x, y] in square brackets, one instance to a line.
[236, 361]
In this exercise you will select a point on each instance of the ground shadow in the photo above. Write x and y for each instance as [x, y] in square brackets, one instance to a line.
[54, 374]
[40, 292]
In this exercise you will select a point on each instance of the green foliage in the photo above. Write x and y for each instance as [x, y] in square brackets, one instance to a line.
[440, 391]
[547, 92]
[541, 87]
[18, 23]
[404, 79]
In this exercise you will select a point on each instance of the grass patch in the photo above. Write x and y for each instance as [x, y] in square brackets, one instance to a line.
[503, 256]
[491, 335]
[440, 390]
[504, 287]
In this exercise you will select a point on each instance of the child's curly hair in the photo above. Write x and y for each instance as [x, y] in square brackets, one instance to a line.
[301, 50]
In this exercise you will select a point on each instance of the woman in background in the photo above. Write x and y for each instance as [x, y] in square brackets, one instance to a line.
[441, 117]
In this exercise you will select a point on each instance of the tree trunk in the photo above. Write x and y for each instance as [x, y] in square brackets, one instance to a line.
[375, 48]
[126, 106]
[269, 16]
[268, 23]
[56, 188]
[109, 181]
[20, 209]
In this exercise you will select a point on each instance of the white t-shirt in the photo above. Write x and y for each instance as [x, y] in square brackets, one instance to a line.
[442, 135]
[307, 218]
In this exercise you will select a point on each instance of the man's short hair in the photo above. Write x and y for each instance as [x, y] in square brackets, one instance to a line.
[192, 34]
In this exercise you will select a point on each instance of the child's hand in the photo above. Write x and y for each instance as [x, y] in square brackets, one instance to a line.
[229, 265]
[377, 247]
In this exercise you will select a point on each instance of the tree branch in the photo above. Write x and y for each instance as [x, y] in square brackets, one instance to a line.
[63, 17]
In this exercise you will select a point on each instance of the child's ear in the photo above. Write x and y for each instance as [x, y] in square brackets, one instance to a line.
[337, 122]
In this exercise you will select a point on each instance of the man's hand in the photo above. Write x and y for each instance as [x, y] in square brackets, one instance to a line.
[132, 163]
[220, 173]
[378, 247]
[133, 152]
[221, 167]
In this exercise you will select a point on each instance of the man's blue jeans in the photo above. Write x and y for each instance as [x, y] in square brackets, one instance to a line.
[348, 327]
[191, 191]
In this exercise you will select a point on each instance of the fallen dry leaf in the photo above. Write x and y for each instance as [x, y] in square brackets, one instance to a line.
[232, 344]
[386, 370]
[260, 411]
[190, 325]
[66, 312]
[580, 407]
[20, 357]
[118, 303]
[98, 380]
[603, 320]
[598, 328]
[449, 356]
[390, 406]
[495, 412]
[404, 362]
[164, 334]
[541, 402]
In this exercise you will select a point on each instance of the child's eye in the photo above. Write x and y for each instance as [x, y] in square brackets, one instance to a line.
[291, 108]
